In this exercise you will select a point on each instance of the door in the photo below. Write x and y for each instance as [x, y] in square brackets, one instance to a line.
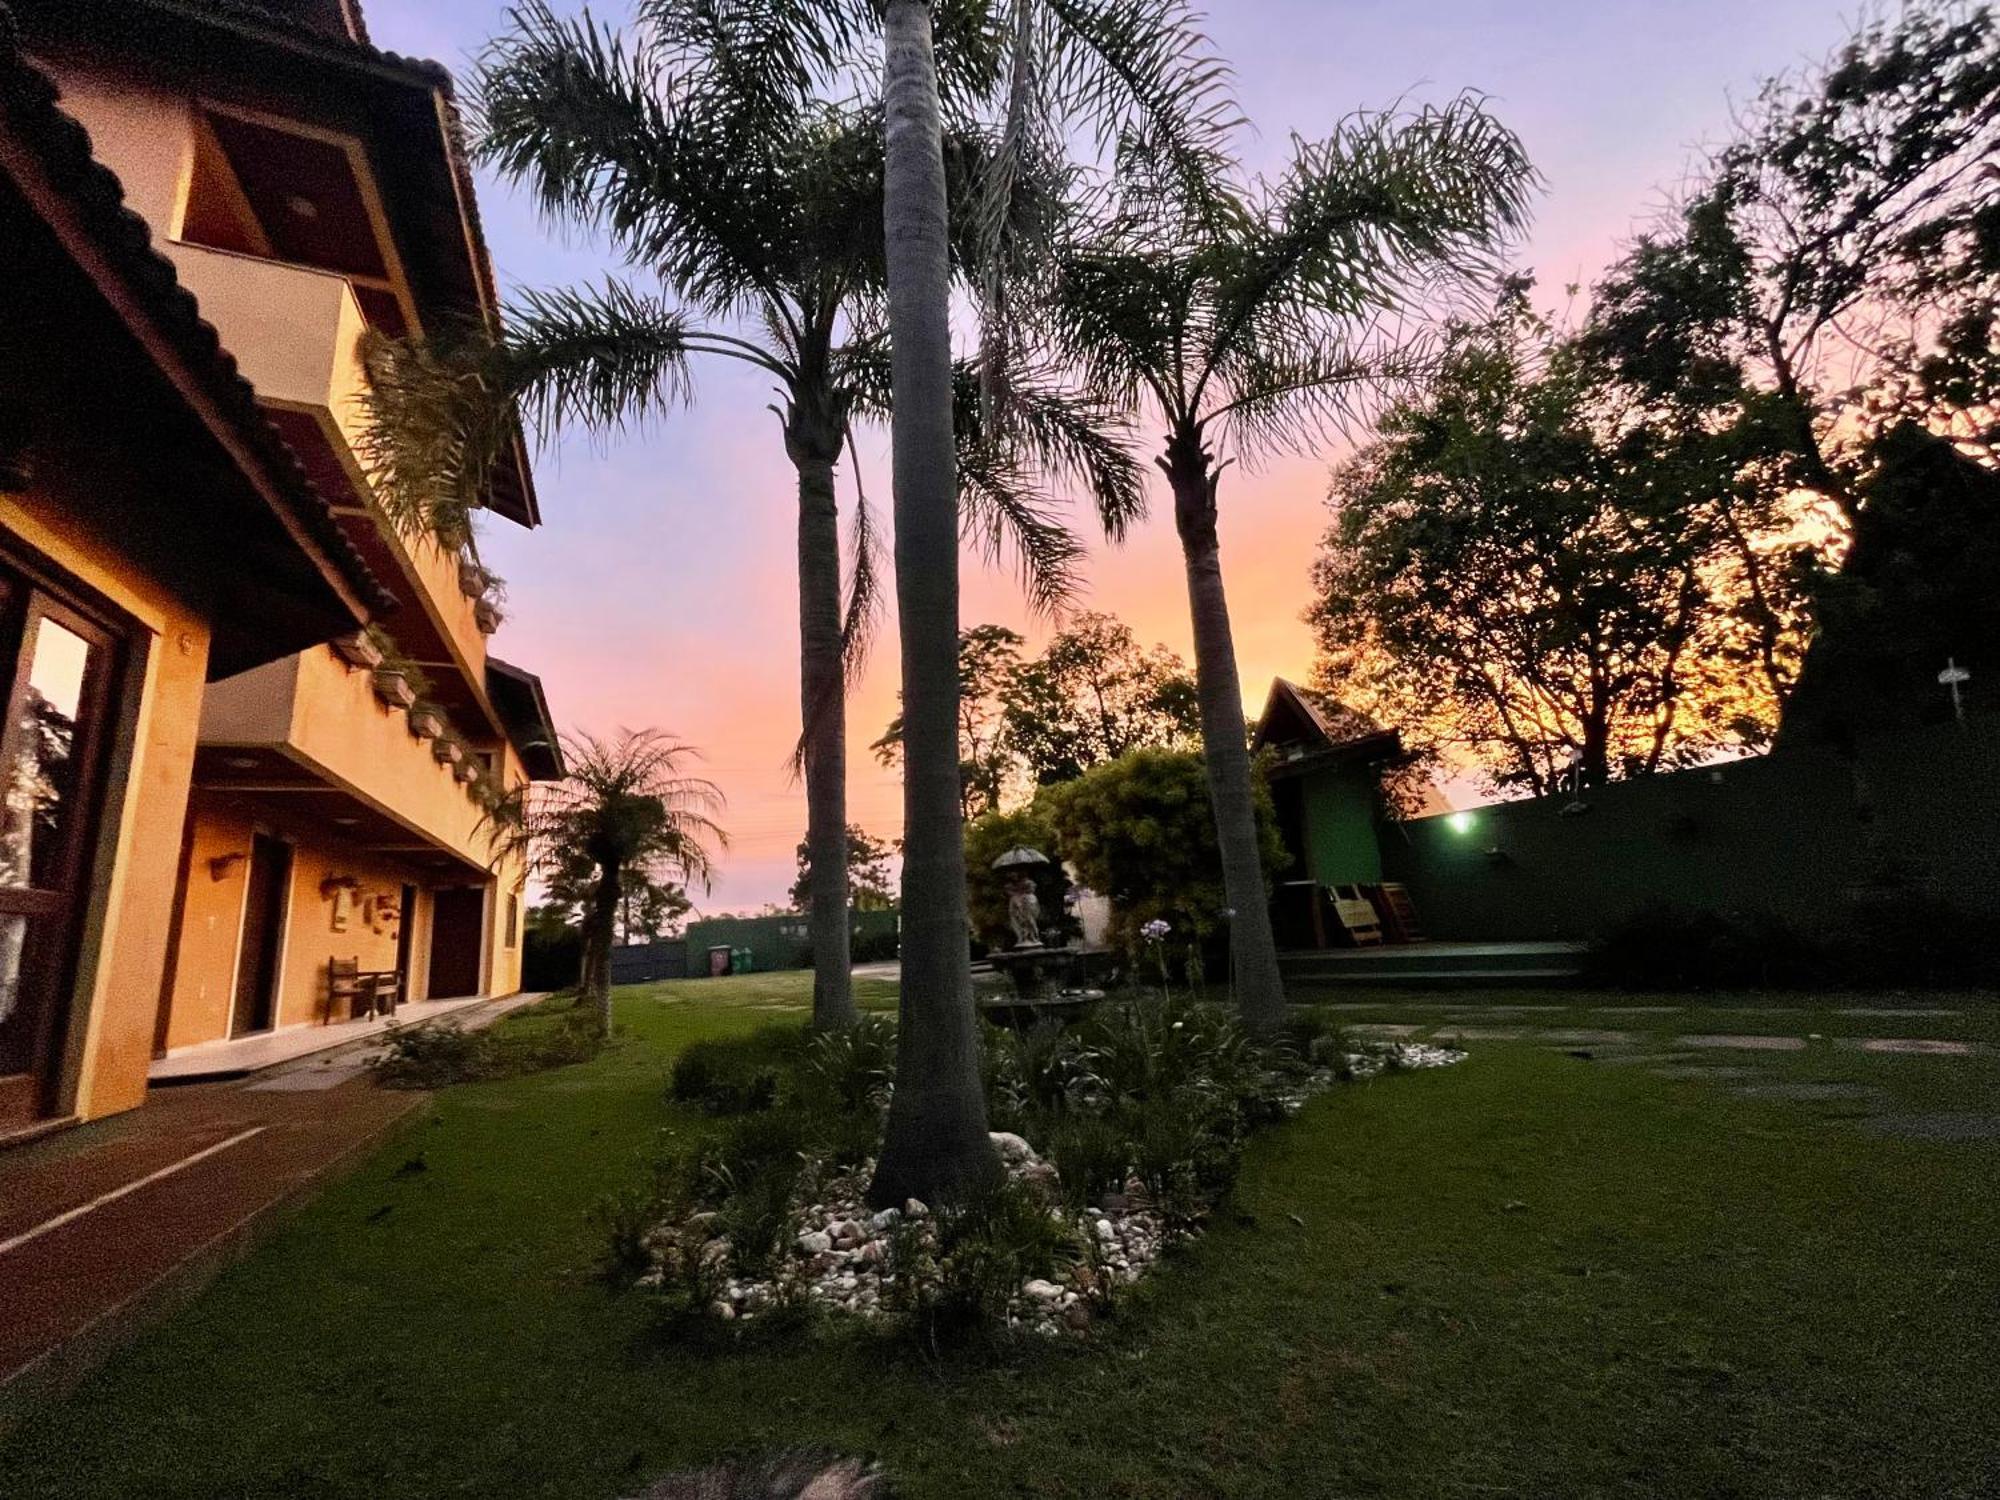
[406, 926]
[58, 668]
[258, 958]
[458, 931]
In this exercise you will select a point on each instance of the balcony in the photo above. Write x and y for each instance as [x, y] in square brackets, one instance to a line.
[295, 332]
[307, 741]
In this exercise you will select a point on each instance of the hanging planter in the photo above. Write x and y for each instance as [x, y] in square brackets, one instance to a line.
[472, 579]
[393, 687]
[447, 752]
[359, 650]
[487, 614]
[427, 722]
[468, 770]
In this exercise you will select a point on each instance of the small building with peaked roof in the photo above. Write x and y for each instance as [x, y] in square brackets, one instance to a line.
[1324, 763]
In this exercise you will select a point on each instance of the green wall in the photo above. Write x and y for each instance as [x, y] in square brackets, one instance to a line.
[1774, 834]
[781, 941]
[1340, 827]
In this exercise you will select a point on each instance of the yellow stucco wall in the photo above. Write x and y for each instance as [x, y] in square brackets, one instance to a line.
[123, 948]
[212, 919]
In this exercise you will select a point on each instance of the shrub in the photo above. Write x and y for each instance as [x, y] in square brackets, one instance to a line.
[956, 1281]
[442, 1054]
[737, 1076]
[1139, 830]
[432, 1057]
[852, 1069]
[1893, 937]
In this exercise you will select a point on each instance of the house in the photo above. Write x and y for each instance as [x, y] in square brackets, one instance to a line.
[229, 786]
[1324, 763]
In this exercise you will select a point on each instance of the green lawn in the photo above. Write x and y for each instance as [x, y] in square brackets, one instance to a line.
[1529, 1275]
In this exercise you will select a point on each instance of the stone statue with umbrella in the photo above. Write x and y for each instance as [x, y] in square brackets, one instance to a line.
[1028, 963]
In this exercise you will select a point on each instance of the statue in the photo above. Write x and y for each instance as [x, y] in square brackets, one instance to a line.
[1024, 911]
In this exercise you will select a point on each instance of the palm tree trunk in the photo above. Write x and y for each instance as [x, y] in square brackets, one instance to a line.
[597, 963]
[823, 706]
[935, 1146]
[1253, 950]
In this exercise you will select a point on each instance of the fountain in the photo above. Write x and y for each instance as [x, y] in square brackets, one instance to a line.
[1031, 966]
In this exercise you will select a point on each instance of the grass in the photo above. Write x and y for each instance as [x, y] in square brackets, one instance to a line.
[1529, 1275]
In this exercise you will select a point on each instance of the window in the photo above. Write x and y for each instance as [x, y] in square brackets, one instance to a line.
[513, 920]
[56, 669]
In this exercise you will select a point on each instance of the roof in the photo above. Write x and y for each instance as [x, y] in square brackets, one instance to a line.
[524, 709]
[1310, 725]
[305, 30]
[46, 155]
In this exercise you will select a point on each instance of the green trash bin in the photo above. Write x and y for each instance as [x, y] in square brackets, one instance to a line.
[740, 961]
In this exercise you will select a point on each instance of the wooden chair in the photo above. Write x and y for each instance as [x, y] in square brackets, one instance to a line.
[385, 991]
[345, 988]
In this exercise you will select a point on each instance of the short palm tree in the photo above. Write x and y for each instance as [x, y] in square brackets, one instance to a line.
[1256, 318]
[625, 808]
[701, 152]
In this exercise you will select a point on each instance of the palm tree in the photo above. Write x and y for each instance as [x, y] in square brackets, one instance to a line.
[703, 155]
[1256, 318]
[1113, 60]
[625, 809]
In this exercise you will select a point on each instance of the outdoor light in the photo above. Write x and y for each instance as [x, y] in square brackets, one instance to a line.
[1460, 822]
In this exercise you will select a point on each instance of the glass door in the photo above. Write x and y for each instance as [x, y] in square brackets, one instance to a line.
[57, 668]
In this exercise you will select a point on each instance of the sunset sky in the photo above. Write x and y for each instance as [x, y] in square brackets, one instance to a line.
[660, 590]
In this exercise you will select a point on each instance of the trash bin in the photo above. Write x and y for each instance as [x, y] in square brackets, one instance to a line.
[740, 961]
[719, 961]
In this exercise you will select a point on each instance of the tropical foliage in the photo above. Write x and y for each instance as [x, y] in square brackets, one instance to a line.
[1250, 317]
[626, 807]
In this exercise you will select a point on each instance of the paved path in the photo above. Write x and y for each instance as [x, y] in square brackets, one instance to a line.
[111, 1224]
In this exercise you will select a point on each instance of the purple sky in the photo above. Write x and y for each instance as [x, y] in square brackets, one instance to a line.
[659, 590]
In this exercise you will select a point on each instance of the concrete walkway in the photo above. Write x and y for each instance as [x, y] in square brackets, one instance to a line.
[106, 1227]
[249, 1054]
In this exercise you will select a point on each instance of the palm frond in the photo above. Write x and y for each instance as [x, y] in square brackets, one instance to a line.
[1002, 513]
[438, 416]
[1064, 435]
[600, 356]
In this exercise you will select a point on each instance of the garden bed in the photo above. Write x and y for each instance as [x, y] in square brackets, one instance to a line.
[1142, 1112]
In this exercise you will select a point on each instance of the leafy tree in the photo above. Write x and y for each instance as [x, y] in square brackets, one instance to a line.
[1532, 570]
[649, 909]
[699, 148]
[868, 879]
[1836, 268]
[1140, 830]
[1094, 694]
[1831, 283]
[624, 808]
[1253, 317]
[989, 657]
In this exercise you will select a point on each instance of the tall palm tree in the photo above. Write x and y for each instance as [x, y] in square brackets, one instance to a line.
[625, 808]
[1255, 318]
[1132, 61]
[702, 153]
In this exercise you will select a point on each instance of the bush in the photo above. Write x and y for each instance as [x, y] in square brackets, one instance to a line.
[738, 1076]
[1891, 938]
[852, 1069]
[956, 1281]
[1162, 1090]
[1139, 830]
[442, 1054]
